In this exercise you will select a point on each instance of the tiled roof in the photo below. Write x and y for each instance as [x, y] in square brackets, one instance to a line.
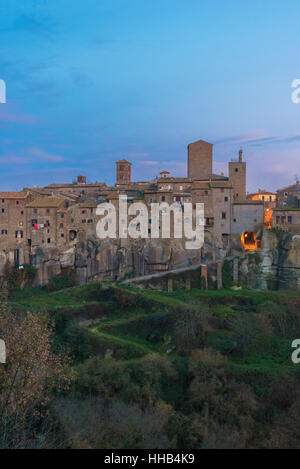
[47, 202]
[13, 195]
[90, 204]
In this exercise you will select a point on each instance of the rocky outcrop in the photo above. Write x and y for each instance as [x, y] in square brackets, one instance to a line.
[289, 262]
[280, 261]
[110, 260]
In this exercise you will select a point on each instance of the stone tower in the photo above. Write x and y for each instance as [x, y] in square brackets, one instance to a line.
[237, 177]
[200, 159]
[123, 172]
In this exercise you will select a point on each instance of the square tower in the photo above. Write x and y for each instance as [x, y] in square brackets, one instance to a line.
[123, 172]
[237, 177]
[200, 159]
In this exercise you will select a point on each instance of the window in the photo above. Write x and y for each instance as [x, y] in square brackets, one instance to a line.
[62, 216]
[3, 201]
[35, 210]
[223, 215]
[22, 212]
[17, 202]
[49, 240]
[283, 219]
[62, 235]
[19, 234]
[4, 232]
[48, 211]
[226, 199]
[61, 225]
[225, 239]
[84, 221]
[83, 211]
[289, 220]
[277, 220]
[234, 220]
[236, 170]
[163, 198]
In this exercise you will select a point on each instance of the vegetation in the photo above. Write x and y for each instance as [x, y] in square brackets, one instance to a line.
[197, 369]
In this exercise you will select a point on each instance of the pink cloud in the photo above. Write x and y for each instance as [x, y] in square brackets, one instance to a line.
[43, 155]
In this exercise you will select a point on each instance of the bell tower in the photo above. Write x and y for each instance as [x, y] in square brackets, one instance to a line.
[123, 172]
[237, 177]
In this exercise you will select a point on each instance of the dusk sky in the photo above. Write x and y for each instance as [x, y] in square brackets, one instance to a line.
[93, 81]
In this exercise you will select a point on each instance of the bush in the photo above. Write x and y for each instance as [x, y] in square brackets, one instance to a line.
[64, 280]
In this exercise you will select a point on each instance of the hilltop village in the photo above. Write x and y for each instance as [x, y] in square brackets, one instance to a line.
[54, 227]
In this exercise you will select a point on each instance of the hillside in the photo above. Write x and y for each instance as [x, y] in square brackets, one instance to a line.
[198, 369]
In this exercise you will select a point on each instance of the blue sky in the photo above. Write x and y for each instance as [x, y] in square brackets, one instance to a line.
[90, 82]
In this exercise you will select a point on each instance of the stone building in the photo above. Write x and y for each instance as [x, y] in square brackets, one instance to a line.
[247, 219]
[269, 200]
[200, 159]
[289, 196]
[287, 218]
[60, 220]
[13, 222]
[123, 172]
[46, 222]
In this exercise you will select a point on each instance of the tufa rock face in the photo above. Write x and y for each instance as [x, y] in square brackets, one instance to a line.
[95, 259]
[289, 262]
[280, 261]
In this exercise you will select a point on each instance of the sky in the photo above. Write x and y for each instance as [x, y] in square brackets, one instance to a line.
[89, 82]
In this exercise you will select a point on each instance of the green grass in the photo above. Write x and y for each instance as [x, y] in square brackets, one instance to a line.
[127, 330]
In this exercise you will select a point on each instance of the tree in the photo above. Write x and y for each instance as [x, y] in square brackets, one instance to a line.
[190, 328]
[30, 374]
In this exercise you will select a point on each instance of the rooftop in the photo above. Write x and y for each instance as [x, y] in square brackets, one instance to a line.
[14, 195]
[47, 202]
